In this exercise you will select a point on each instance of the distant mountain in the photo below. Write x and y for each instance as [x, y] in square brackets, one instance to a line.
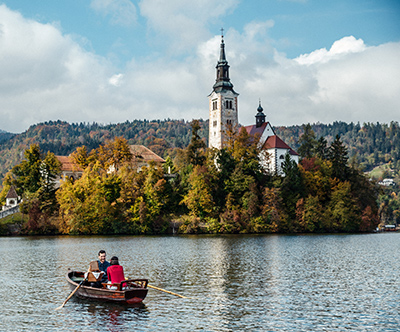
[371, 144]
[5, 136]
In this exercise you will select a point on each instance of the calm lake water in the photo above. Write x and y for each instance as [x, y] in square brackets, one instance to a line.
[235, 283]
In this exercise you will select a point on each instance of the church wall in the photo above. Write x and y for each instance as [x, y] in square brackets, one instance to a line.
[221, 117]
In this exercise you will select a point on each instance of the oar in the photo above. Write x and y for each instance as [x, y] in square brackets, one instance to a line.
[70, 295]
[163, 290]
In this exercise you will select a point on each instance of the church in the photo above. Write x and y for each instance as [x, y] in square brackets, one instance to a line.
[223, 113]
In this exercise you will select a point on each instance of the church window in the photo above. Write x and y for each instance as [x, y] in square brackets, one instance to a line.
[229, 122]
[214, 105]
[228, 104]
[281, 157]
[214, 123]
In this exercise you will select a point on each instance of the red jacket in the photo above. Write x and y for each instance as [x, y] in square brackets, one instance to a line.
[115, 273]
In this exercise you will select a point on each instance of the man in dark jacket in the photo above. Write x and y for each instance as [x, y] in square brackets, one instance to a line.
[103, 264]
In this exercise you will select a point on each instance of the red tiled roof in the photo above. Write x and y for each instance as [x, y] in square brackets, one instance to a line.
[274, 142]
[67, 165]
[140, 152]
[252, 129]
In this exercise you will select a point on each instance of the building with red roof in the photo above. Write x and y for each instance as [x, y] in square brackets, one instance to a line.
[271, 143]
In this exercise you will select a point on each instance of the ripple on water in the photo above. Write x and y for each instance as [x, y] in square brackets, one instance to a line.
[260, 283]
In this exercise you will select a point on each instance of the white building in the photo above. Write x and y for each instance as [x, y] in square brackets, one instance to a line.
[223, 111]
[12, 199]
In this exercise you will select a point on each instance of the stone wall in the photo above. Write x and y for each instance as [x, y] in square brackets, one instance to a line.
[9, 211]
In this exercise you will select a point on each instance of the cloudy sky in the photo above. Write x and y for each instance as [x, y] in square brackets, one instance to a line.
[110, 61]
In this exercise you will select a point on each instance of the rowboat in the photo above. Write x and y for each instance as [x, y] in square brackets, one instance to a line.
[129, 291]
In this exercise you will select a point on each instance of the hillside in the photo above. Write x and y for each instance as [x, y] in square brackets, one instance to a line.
[370, 144]
[62, 138]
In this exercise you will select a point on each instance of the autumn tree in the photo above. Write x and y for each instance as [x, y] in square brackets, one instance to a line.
[34, 179]
[199, 199]
[90, 204]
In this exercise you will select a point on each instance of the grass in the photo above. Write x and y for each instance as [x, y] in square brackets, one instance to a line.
[14, 218]
[379, 171]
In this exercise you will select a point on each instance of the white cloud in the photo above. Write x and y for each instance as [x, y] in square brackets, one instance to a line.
[45, 75]
[122, 12]
[116, 79]
[350, 82]
[181, 24]
[339, 48]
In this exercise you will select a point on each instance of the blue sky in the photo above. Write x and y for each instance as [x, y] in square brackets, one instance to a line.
[115, 60]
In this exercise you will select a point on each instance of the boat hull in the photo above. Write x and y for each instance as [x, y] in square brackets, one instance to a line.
[132, 295]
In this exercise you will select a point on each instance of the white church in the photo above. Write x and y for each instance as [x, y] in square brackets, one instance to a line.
[223, 106]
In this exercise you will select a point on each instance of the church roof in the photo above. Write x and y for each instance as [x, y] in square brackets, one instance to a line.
[12, 193]
[252, 129]
[223, 82]
[67, 165]
[140, 152]
[274, 142]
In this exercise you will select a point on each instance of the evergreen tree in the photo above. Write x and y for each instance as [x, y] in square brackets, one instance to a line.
[307, 142]
[338, 156]
[292, 187]
[196, 148]
[321, 148]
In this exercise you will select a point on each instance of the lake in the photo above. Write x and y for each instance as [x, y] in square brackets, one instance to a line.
[234, 283]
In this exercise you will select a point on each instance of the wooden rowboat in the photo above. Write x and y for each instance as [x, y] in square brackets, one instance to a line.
[128, 292]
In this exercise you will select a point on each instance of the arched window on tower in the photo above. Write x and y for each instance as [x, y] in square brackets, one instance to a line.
[228, 104]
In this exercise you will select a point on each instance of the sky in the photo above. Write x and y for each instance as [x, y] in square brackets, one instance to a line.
[111, 61]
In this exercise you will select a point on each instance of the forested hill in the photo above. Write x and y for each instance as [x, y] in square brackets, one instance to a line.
[62, 138]
[371, 144]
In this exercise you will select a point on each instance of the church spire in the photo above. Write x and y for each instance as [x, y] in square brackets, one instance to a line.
[260, 116]
[222, 57]
[222, 82]
[223, 103]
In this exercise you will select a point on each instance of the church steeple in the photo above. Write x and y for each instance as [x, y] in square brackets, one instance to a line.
[223, 103]
[260, 116]
[223, 81]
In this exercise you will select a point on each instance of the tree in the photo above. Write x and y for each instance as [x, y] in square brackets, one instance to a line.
[345, 214]
[199, 199]
[307, 142]
[292, 188]
[27, 173]
[321, 148]
[338, 156]
[81, 157]
[196, 148]
[90, 204]
[309, 214]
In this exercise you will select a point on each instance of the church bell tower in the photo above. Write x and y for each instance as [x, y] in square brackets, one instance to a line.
[223, 103]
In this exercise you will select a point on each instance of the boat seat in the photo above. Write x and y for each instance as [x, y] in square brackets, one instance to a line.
[97, 275]
[116, 286]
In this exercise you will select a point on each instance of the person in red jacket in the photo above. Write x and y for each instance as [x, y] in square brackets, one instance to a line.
[115, 272]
